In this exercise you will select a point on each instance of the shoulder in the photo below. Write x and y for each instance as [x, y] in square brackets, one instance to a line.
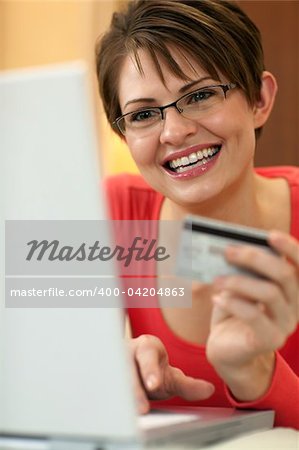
[129, 197]
[290, 173]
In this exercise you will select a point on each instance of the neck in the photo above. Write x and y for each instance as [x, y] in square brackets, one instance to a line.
[240, 203]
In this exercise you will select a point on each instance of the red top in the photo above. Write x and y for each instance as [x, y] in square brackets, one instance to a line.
[131, 198]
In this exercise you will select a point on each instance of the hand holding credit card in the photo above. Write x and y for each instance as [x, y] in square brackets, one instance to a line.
[203, 242]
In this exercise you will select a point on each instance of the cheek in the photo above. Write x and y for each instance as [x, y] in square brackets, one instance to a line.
[236, 129]
[143, 150]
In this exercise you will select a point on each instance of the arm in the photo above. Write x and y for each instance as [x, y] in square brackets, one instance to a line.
[282, 395]
[252, 319]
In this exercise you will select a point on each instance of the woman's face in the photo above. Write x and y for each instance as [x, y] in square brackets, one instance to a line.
[228, 132]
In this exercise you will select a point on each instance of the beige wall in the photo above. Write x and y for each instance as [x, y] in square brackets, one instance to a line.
[50, 31]
[1, 33]
[40, 32]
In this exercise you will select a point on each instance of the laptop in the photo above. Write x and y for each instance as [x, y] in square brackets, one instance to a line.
[65, 379]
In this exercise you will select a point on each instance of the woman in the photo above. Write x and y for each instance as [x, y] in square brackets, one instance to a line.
[183, 83]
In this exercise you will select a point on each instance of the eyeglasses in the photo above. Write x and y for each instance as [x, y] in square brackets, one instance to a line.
[193, 105]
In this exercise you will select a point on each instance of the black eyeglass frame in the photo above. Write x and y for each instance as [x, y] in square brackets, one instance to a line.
[225, 87]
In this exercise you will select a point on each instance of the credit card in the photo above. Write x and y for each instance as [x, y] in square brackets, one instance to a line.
[202, 245]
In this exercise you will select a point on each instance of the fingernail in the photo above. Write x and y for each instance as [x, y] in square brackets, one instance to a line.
[151, 382]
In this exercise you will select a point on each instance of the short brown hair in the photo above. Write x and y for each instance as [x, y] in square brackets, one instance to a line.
[216, 33]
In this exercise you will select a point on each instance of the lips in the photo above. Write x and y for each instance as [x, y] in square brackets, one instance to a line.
[191, 158]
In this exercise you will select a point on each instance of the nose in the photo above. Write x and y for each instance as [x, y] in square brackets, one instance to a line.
[175, 127]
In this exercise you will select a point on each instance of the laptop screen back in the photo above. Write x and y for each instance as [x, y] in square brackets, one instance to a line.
[60, 368]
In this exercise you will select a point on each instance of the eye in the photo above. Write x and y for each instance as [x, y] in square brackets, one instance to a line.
[144, 115]
[199, 96]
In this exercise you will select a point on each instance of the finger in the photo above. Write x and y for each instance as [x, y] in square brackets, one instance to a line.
[286, 245]
[264, 292]
[136, 345]
[270, 266]
[143, 404]
[264, 332]
[191, 389]
[162, 381]
[289, 247]
[151, 358]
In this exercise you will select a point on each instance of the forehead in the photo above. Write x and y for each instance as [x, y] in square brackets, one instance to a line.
[134, 83]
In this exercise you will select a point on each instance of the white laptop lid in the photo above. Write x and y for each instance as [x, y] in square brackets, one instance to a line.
[53, 382]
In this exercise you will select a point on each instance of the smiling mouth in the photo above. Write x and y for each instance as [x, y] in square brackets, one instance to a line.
[193, 160]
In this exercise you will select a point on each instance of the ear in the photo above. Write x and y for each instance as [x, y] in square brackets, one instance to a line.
[264, 105]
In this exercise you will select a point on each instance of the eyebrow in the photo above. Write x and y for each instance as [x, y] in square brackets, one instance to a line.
[182, 90]
[188, 86]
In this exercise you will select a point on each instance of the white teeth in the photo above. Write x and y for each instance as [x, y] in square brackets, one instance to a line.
[184, 169]
[193, 158]
[185, 161]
